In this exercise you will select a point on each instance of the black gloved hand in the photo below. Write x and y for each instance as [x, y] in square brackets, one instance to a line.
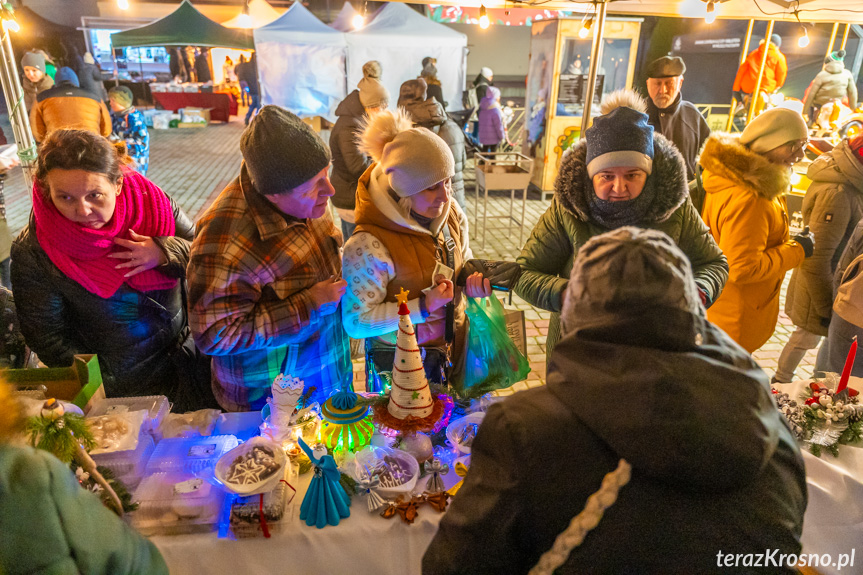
[806, 241]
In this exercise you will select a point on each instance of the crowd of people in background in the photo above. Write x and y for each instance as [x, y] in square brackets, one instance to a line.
[664, 245]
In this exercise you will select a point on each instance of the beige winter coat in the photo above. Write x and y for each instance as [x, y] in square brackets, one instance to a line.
[832, 207]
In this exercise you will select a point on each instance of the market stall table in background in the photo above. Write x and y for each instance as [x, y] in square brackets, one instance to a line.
[222, 105]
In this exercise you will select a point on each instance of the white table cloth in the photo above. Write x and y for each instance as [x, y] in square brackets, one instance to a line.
[364, 543]
[367, 543]
[833, 523]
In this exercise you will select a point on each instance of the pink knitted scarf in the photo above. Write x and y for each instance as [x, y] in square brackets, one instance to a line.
[82, 253]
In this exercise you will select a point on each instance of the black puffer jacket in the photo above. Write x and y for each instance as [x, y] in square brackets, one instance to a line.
[714, 466]
[138, 336]
[349, 162]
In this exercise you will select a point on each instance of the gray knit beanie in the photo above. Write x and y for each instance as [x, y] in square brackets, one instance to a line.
[33, 60]
[412, 159]
[625, 271]
[281, 151]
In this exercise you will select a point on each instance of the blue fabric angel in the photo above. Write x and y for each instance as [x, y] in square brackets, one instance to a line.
[325, 502]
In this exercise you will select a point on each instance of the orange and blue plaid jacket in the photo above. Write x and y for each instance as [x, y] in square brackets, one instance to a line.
[249, 276]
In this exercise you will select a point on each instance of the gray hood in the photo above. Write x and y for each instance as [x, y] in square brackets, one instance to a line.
[839, 166]
[834, 67]
[697, 415]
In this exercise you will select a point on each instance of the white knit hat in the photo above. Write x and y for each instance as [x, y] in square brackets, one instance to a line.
[773, 128]
[486, 71]
[413, 159]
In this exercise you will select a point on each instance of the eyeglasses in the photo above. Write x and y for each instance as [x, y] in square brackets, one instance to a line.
[798, 146]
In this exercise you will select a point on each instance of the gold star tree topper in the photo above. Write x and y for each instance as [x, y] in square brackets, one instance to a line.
[402, 296]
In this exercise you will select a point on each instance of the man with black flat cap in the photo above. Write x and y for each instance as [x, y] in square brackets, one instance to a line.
[671, 115]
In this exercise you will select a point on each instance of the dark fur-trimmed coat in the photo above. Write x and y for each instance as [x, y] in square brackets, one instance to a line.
[547, 257]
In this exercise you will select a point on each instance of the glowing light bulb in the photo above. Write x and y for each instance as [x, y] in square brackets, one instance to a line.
[710, 16]
[123, 4]
[803, 41]
[483, 18]
[244, 21]
[11, 25]
[358, 21]
[585, 28]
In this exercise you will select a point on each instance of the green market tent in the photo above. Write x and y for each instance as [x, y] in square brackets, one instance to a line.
[185, 26]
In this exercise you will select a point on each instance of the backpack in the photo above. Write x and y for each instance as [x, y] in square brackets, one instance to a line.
[849, 297]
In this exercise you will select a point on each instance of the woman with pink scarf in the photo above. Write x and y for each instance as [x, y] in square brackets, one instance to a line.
[101, 269]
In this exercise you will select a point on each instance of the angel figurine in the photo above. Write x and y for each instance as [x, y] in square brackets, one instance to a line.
[325, 502]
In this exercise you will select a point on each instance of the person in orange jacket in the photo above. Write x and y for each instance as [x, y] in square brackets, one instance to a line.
[775, 69]
[66, 105]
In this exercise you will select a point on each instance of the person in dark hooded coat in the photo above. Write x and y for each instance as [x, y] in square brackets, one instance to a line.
[642, 391]
[428, 113]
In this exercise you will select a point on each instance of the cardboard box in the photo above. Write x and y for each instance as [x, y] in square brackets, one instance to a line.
[194, 117]
[81, 383]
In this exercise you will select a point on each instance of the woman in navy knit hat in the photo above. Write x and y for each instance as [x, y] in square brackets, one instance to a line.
[620, 174]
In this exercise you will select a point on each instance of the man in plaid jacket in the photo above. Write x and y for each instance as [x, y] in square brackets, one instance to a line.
[265, 271]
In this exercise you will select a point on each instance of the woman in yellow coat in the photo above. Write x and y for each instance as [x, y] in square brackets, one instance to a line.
[745, 180]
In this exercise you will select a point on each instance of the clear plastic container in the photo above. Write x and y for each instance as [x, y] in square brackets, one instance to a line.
[176, 503]
[156, 406]
[190, 454]
[244, 425]
[277, 504]
[128, 466]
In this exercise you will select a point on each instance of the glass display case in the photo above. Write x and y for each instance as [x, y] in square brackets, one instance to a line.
[557, 85]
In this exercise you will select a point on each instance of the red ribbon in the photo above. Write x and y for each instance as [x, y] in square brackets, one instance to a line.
[263, 519]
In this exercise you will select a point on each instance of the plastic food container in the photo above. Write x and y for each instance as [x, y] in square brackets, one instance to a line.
[156, 406]
[254, 467]
[192, 424]
[398, 470]
[277, 505]
[244, 425]
[176, 503]
[190, 455]
[128, 466]
[462, 432]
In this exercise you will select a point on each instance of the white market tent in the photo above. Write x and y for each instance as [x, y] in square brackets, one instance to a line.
[301, 64]
[260, 14]
[399, 38]
[344, 20]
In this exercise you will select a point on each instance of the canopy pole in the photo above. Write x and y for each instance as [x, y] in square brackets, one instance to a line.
[595, 57]
[753, 100]
[845, 36]
[17, 110]
[743, 53]
[832, 39]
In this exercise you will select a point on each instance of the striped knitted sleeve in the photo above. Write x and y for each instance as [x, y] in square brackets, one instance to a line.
[368, 268]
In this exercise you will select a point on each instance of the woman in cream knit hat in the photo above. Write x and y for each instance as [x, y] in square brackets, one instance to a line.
[408, 227]
[745, 181]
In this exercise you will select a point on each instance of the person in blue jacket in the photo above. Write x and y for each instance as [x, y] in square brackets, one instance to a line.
[127, 125]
